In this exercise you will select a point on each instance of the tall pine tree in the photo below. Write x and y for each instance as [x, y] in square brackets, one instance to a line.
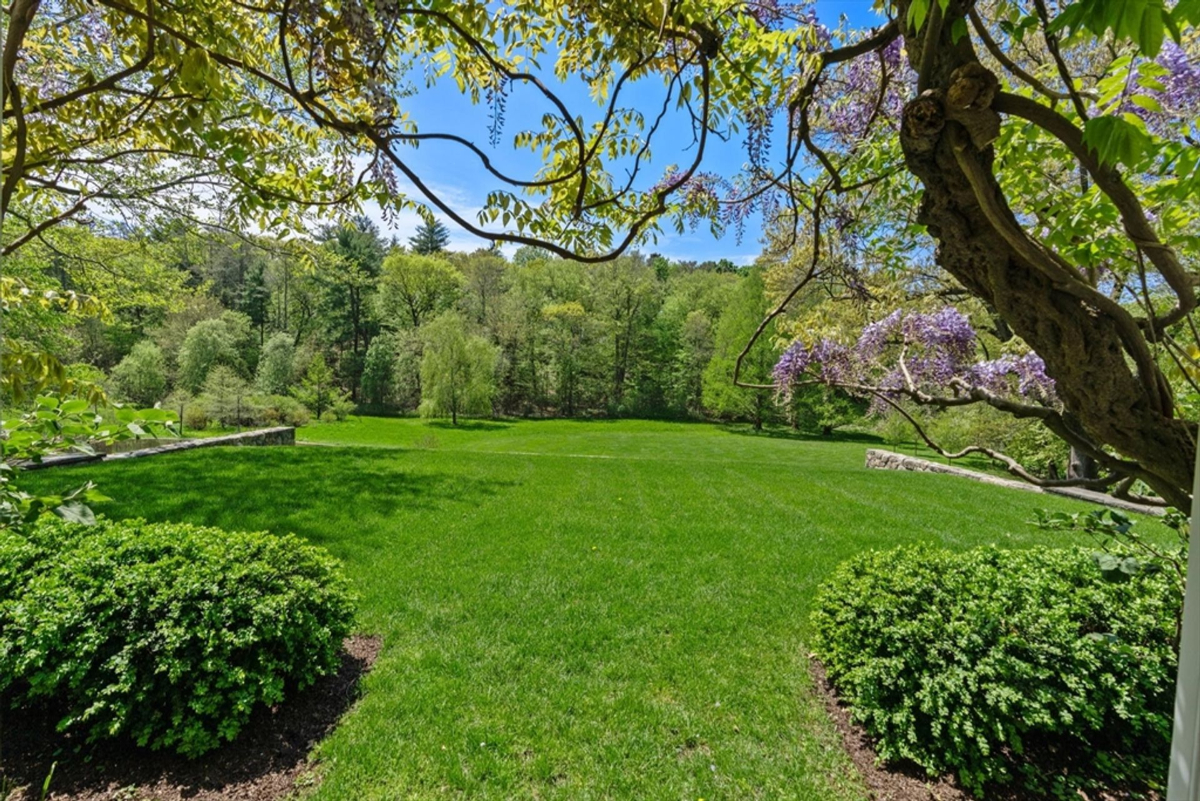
[431, 237]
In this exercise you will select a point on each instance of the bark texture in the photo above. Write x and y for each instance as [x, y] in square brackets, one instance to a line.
[1085, 348]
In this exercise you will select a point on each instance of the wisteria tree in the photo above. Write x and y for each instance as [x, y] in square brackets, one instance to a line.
[1041, 153]
[933, 360]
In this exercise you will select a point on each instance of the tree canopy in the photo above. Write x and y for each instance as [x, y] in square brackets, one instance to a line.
[431, 237]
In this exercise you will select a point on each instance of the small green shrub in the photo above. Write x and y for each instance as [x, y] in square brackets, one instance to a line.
[195, 417]
[1005, 666]
[279, 410]
[167, 633]
[342, 408]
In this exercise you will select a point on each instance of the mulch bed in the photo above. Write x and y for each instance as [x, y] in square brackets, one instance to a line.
[885, 782]
[262, 764]
[910, 782]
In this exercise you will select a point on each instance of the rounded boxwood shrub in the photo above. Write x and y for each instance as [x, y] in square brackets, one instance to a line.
[168, 633]
[1005, 666]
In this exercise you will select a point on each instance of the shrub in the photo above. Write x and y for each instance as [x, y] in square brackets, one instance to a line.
[167, 633]
[342, 408]
[195, 417]
[275, 410]
[991, 663]
[896, 430]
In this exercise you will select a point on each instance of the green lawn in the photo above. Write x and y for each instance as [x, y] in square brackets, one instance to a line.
[578, 610]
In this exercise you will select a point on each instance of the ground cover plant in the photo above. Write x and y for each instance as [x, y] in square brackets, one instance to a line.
[575, 609]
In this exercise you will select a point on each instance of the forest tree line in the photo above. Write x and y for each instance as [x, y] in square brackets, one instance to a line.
[236, 330]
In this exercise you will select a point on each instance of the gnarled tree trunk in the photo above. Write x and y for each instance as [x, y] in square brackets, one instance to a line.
[1088, 350]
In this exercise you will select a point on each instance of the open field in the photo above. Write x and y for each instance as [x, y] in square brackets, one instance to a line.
[578, 610]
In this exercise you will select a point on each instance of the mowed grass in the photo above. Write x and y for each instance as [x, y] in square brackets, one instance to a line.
[578, 610]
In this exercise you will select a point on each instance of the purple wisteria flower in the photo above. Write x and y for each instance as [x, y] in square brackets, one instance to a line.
[853, 94]
[792, 365]
[1179, 97]
[1024, 374]
[875, 335]
[932, 353]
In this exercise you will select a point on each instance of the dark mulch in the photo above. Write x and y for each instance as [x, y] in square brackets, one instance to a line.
[885, 782]
[264, 763]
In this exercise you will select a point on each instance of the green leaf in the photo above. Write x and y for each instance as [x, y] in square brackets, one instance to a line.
[917, 11]
[958, 29]
[1144, 22]
[1131, 566]
[1186, 12]
[76, 513]
[1117, 139]
[75, 406]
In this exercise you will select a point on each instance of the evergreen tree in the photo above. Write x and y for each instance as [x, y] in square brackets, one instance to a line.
[431, 237]
[224, 397]
[345, 291]
[255, 299]
[317, 390]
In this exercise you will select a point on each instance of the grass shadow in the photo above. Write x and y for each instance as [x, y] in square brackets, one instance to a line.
[770, 432]
[313, 492]
[469, 425]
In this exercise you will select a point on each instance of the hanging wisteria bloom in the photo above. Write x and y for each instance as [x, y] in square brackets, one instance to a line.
[1175, 81]
[914, 355]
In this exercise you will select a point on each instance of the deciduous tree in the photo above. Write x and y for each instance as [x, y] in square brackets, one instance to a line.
[141, 377]
[457, 370]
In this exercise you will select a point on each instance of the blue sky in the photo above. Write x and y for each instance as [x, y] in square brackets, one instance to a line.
[457, 176]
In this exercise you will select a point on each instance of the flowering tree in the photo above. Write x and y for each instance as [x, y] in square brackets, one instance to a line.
[1075, 223]
[931, 359]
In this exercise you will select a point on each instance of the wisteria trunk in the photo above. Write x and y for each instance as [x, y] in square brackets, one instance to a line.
[1082, 347]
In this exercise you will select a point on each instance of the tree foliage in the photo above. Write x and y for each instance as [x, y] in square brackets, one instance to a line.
[317, 389]
[208, 343]
[415, 287]
[431, 237]
[277, 365]
[141, 377]
[457, 370]
[737, 326]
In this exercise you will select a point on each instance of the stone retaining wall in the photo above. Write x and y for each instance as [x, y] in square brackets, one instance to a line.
[890, 460]
[283, 435]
